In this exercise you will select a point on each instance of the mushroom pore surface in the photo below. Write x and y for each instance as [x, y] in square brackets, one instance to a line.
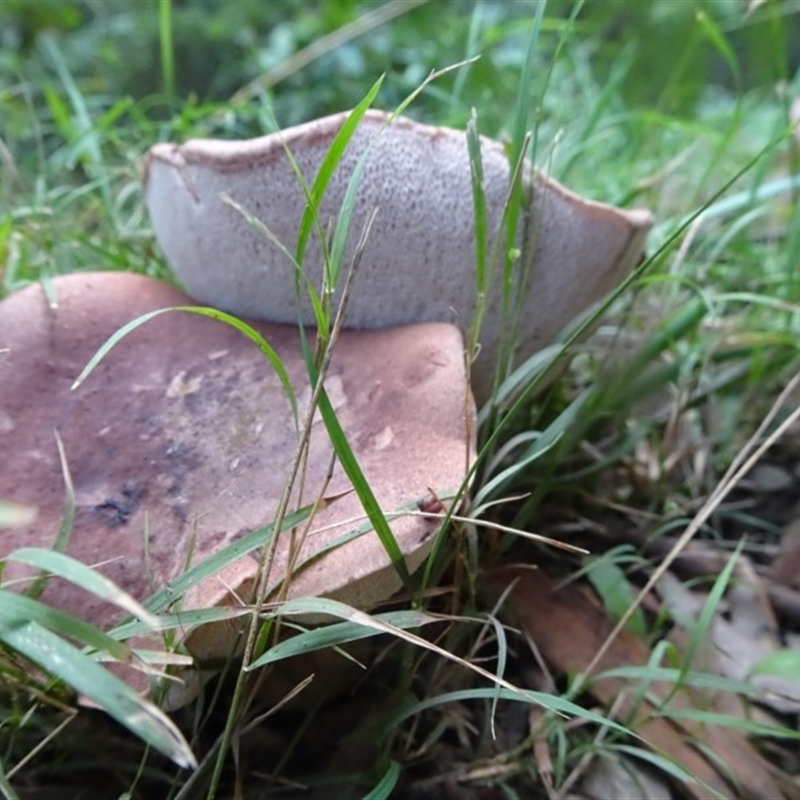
[419, 261]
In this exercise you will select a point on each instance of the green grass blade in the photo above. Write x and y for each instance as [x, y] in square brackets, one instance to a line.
[666, 765]
[719, 41]
[470, 52]
[385, 786]
[182, 620]
[85, 133]
[338, 634]
[6, 789]
[67, 517]
[343, 223]
[212, 313]
[747, 726]
[784, 663]
[527, 374]
[724, 205]
[557, 705]
[703, 680]
[700, 630]
[79, 574]
[493, 486]
[635, 276]
[646, 369]
[609, 92]
[333, 261]
[478, 200]
[262, 344]
[355, 533]
[259, 226]
[519, 126]
[327, 606]
[502, 659]
[481, 234]
[68, 626]
[261, 537]
[89, 678]
[362, 488]
[519, 144]
[335, 608]
[615, 591]
[167, 49]
[328, 167]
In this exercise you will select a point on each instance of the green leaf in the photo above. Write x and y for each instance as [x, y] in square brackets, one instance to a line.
[747, 726]
[784, 663]
[89, 678]
[364, 491]
[557, 705]
[615, 591]
[666, 765]
[699, 631]
[37, 586]
[385, 786]
[180, 620]
[328, 166]
[717, 38]
[652, 674]
[68, 515]
[79, 574]
[167, 49]
[338, 634]
[176, 588]
[263, 230]
[17, 608]
[6, 789]
[336, 256]
[213, 313]
[481, 235]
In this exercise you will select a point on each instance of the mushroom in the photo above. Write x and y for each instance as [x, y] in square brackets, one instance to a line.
[419, 261]
[179, 444]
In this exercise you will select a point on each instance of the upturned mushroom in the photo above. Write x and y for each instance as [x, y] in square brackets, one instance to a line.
[419, 261]
[179, 444]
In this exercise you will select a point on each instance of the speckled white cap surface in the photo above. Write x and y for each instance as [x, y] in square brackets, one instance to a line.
[419, 262]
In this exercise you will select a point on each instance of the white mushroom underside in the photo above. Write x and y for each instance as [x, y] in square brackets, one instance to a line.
[419, 262]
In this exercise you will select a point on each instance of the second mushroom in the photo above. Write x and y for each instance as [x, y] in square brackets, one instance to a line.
[419, 262]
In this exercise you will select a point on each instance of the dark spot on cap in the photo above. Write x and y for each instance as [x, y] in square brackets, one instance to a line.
[117, 510]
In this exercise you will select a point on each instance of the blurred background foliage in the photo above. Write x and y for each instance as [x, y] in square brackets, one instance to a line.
[113, 49]
[632, 101]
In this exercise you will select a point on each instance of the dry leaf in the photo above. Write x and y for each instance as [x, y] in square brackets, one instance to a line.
[568, 630]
